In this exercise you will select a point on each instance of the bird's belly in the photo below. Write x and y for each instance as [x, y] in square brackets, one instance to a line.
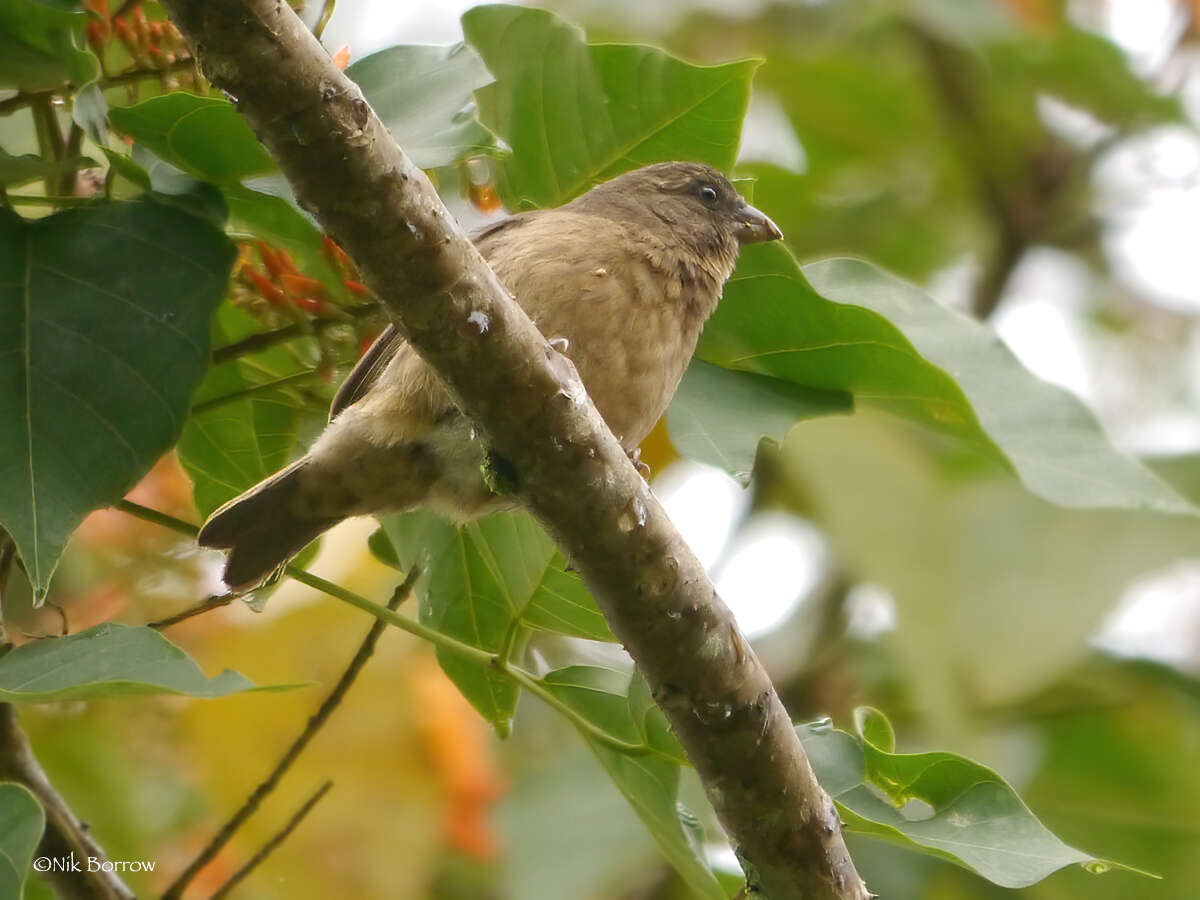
[631, 368]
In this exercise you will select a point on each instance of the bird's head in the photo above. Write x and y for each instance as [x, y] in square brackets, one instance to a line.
[694, 202]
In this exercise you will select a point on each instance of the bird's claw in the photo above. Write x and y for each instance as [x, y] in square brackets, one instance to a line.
[560, 344]
[635, 457]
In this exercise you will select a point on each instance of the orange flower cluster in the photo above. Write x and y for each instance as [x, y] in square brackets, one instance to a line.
[282, 284]
[152, 45]
[457, 743]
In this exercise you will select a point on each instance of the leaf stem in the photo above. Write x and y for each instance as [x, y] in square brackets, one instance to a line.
[263, 340]
[53, 200]
[510, 641]
[590, 730]
[525, 679]
[21, 99]
[217, 402]
[323, 19]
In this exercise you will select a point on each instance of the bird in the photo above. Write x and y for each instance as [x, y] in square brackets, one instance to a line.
[621, 279]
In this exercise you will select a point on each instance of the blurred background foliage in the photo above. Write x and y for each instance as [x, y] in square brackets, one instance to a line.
[1031, 163]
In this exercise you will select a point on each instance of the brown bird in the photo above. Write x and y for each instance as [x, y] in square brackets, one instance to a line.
[623, 278]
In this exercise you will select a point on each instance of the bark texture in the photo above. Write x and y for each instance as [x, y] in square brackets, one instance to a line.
[531, 408]
[65, 838]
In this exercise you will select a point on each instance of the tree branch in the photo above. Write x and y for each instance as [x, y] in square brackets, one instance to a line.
[528, 401]
[65, 836]
[269, 847]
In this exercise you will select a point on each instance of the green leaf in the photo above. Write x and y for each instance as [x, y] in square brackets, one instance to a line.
[1085, 70]
[942, 804]
[874, 728]
[609, 107]
[40, 46]
[89, 110]
[1113, 737]
[979, 568]
[206, 138]
[203, 136]
[106, 661]
[126, 168]
[649, 780]
[708, 416]
[879, 178]
[492, 581]
[103, 335]
[423, 95]
[894, 348]
[238, 433]
[617, 704]
[651, 784]
[17, 170]
[21, 825]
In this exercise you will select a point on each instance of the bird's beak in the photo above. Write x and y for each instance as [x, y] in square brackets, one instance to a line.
[753, 227]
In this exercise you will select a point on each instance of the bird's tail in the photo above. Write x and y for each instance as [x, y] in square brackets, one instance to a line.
[262, 529]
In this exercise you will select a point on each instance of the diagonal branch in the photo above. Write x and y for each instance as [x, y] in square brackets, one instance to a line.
[66, 838]
[532, 409]
[365, 651]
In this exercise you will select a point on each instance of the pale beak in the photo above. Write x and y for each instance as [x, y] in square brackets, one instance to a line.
[753, 226]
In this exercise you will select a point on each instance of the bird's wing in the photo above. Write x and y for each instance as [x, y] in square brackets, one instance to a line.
[380, 353]
[363, 375]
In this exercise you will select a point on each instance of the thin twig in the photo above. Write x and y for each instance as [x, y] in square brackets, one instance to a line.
[269, 847]
[216, 601]
[67, 180]
[253, 390]
[49, 135]
[55, 201]
[181, 64]
[8, 552]
[266, 339]
[318, 720]
[527, 680]
[19, 100]
[22, 99]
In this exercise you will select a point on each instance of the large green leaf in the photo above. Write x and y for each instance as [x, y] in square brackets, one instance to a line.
[423, 95]
[577, 113]
[489, 584]
[937, 803]
[203, 136]
[648, 779]
[40, 46]
[708, 416]
[21, 824]
[1120, 736]
[104, 315]
[998, 592]
[618, 704]
[17, 170]
[105, 661]
[878, 176]
[239, 433]
[845, 325]
[1084, 69]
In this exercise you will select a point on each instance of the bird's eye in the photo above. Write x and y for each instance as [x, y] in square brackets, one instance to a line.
[708, 195]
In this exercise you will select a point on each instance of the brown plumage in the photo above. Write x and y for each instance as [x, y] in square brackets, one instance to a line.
[627, 274]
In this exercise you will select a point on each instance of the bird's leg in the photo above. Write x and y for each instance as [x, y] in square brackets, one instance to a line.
[635, 457]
